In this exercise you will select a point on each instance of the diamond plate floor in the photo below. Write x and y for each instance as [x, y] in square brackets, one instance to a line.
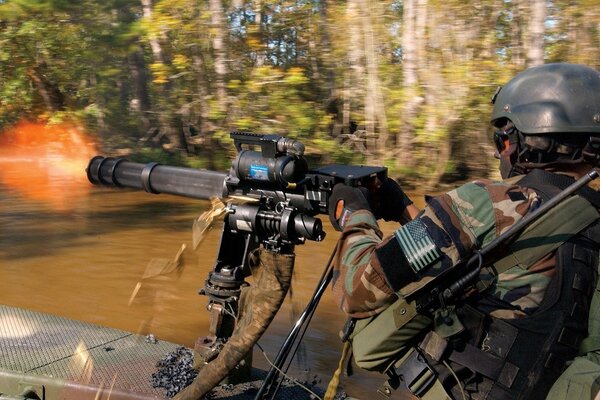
[64, 359]
[35, 343]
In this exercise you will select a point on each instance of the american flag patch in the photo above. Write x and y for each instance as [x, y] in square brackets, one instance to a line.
[417, 245]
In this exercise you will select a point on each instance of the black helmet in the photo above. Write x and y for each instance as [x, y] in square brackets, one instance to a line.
[551, 98]
[549, 115]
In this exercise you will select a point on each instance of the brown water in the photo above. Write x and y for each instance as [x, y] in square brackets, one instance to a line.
[83, 260]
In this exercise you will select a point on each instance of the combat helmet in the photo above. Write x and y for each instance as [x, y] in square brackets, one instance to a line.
[555, 110]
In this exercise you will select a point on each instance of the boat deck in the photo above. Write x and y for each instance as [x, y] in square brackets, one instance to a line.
[60, 355]
[62, 359]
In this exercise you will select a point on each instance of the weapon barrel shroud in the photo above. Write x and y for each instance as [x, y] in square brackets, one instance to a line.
[156, 178]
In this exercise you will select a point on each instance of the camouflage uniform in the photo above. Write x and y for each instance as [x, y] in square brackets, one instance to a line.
[511, 340]
[459, 221]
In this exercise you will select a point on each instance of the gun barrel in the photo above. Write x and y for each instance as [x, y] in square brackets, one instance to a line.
[156, 178]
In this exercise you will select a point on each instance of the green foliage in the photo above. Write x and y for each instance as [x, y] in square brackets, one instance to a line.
[273, 100]
[330, 151]
[299, 68]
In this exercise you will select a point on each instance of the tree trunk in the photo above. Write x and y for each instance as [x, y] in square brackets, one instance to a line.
[354, 86]
[202, 94]
[218, 43]
[137, 66]
[157, 51]
[534, 37]
[166, 125]
[261, 54]
[49, 91]
[314, 50]
[516, 32]
[331, 93]
[437, 149]
[375, 118]
[412, 44]
[101, 127]
[203, 139]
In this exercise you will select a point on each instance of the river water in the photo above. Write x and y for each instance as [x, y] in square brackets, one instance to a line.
[79, 251]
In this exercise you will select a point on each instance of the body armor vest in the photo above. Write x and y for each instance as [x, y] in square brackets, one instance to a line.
[521, 358]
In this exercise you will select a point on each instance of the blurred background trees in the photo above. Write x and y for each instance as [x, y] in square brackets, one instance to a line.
[404, 83]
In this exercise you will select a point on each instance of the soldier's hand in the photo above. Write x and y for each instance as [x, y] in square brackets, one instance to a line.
[344, 201]
[391, 201]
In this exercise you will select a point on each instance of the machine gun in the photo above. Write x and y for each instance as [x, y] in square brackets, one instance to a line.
[285, 195]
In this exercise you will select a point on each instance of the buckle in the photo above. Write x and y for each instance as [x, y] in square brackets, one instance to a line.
[413, 372]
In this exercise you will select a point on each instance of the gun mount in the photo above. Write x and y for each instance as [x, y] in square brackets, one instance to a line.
[285, 196]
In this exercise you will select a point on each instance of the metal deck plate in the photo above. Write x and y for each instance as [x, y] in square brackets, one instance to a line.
[41, 344]
[64, 359]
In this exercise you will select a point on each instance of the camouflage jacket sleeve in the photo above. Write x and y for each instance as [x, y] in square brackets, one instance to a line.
[371, 271]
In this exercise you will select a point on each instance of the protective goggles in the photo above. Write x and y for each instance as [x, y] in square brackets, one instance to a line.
[502, 138]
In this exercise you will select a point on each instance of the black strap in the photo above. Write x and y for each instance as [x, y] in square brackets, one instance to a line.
[542, 181]
[486, 364]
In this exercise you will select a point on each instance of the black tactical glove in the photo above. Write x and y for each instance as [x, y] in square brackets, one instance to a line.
[391, 201]
[344, 201]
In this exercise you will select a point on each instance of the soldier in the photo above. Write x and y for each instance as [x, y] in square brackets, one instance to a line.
[525, 317]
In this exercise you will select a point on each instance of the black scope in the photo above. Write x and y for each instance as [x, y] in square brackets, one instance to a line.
[156, 178]
[280, 160]
[252, 166]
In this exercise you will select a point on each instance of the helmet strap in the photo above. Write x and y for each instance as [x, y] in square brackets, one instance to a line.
[591, 151]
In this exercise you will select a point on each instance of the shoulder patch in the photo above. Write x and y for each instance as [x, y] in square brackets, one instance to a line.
[417, 245]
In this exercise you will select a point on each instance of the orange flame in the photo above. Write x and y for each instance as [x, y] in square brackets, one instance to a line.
[46, 163]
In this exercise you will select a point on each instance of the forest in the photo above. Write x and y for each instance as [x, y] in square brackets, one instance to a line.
[401, 83]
